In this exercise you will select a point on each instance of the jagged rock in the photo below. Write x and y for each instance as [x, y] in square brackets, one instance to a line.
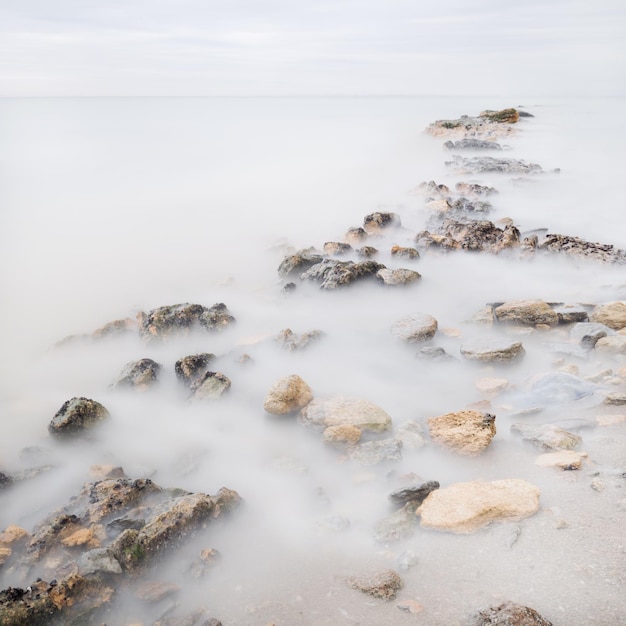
[415, 494]
[612, 399]
[289, 340]
[563, 459]
[375, 452]
[481, 165]
[612, 314]
[342, 436]
[367, 252]
[116, 327]
[547, 436]
[332, 274]
[409, 253]
[77, 416]
[472, 144]
[337, 248]
[384, 584]
[508, 614]
[139, 375]
[579, 248]
[295, 264]
[414, 328]
[464, 432]
[526, 313]
[466, 507]
[588, 333]
[189, 369]
[356, 235]
[473, 235]
[615, 344]
[399, 276]
[339, 410]
[166, 321]
[475, 189]
[210, 386]
[374, 223]
[287, 395]
[486, 125]
[492, 350]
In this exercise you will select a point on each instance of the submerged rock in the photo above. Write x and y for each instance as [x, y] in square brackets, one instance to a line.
[588, 333]
[295, 264]
[384, 584]
[486, 125]
[508, 614]
[467, 507]
[397, 526]
[563, 459]
[375, 452]
[579, 248]
[464, 432]
[287, 395]
[138, 375]
[472, 144]
[415, 494]
[77, 416]
[337, 248]
[415, 328]
[340, 410]
[342, 435]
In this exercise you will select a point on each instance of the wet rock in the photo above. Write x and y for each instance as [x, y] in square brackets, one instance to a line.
[547, 436]
[467, 507]
[384, 584]
[401, 251]
[526, 313]
[504, 116]
[612, 314]
[287, 395]
[465, 432]
[472, 144]
[579, 248]
[210, 386]
[481, 165]
[615, 344]
[563, 459]
[376, 452]
[294, 264]
[492, 350]
[340, 410]
[337, 248]
[153, 591]
[411, 432]
[508, 614]
[375, 223]
[398, 526]
[138, 375]
[414, 493]
[180, 319]
[415, 328]
[77, 416]
[288, 340]
[588, 333]
[189, 369]
[342, 436]
[558, 388]
[331, 274]
[398, 276]
[491, 386]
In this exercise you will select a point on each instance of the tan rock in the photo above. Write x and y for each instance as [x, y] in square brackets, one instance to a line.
[287, 395]
[492, 350]
[464, 508]
[82, 537]
[340, 410]
[615, 344]
[342, 435]
[491, 386]
[414, 328]
[527, 313]
[611, 314]
[465, 432]
[564, 459]
[5, 554]
[13, 534]
[610, 420]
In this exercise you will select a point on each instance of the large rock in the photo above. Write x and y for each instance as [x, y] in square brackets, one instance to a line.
[527, 313]
[581, 249]
[295, 264]
[138, 375]
[331, 273]
[464, 432]
[167, 321]
[547, 436]
[77, 416]
[415, 328]
[287, 395]
[612, 314]
[487, 125]
[508, 614]
[492, 350]
[339, 410]
[588, 333]
[466, 507]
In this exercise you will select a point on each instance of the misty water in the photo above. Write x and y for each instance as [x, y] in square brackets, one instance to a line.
[115, 206]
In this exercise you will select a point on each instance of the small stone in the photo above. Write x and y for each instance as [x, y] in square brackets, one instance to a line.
[288, 340]
[138, 375]
[99, 560]
[409, 253]
[411, 433]
[396, 277]
[189, 369]
[375, 452]
[563, 459]
[508, 614]
[415, 328]
[337, 248]
[367, 252]
[491, 386]
[375, 223]
[464, 432]
[384, 584]
[340, 410]
[287, 395]
[416, 493]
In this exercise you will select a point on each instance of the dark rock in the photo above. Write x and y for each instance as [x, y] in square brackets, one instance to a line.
[77, 416]
[289, 287]
[571, 314]
[481, 165]
[139, 375]
[472, 144]
[295, 264]
[5, 480]
[508, 614]
[193, 367]
[525, 114]
[374, 223]
[332, 274]
[579, 248]
[416, 493]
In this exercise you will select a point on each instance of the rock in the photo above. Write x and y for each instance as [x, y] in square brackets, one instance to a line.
[475, 189]
[342, 436]
[433, 353]
[375, 452]
[206, 560]
[374, 223]
[527, 313]
[356, 236]
[491, 386]
[138, 375]
[559, 388]
[563, 459]
[466, 507]
[295, 264]
[487, 125]
[397, 526]
[492, 350]
[407, 559]
[288, 340]
[287, 395]
[588, 333]
[77, 416]
[332, 524]
[367, 252]
[13, 535]
[339, 410]
[482, 165]
[98, 561]
[414, 493]
[612, 314]
[115, 328]
[410, 606]
[210, 386]
[571, 314]
[411, 433]
[409, 253]
[471, 235]
[414, 328]
[508, 614]
[505, 116]
[189, 369]
[167, 321]
[331, 274]
[616, 344]
[465, 432]
[472, 144]
[384, 584]
[399, 276]
[615, 399]
[5, 554]
[581, 249]
[337, 248]
[547, 436]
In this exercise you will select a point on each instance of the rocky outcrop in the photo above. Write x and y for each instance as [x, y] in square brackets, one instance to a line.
[492, 350]
[464, 432]
[342, 411]
[138, 375]
[578, 248]
[415, 328]
[508, 614]
[287, 395]
[76, 417]
[488, 125]
[526, 313]
[467, 507]
[472, 144]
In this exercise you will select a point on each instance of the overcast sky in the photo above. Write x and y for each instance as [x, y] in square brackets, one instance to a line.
[291, 47]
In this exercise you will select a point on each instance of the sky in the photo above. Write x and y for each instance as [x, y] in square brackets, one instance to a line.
[293, 47]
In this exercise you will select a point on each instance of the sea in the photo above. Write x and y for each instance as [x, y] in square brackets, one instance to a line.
[113, 206]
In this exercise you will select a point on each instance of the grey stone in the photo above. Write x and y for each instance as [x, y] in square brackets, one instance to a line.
[138, 375]
[415, 328]
[375, 452]
[77, 416]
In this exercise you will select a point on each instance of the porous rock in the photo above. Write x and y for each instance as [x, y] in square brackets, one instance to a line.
[465, 432]
[464, 508]
[611, 314]
[400, 276]
[295, 264]
[508, 614]
[210, 386]
[375, 452]
[484, 164]
[374, 223]
[342, 435]
[615, 344]
[287, 395]
[189, 369]
[77, 416]
[330, 273]
[415, 328]
[402, 251]
[289, 340]
[527, 313]
[339, 410]
[563, 459]
[383, 584]
[138, 375]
